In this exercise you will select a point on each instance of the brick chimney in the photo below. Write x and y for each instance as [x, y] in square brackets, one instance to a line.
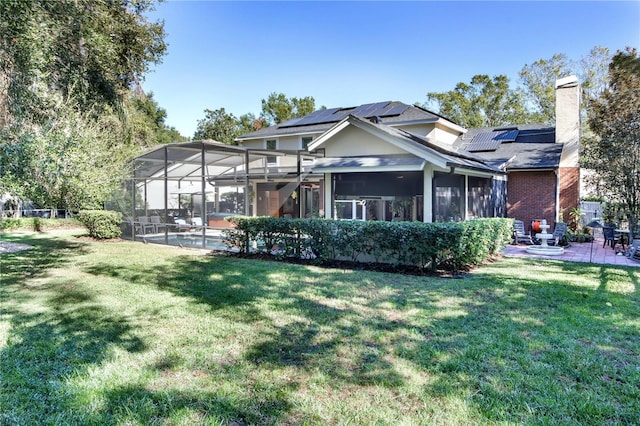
[568, 133]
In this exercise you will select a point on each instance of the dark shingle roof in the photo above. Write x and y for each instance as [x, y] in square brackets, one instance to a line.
[534, 147]
[324, 119]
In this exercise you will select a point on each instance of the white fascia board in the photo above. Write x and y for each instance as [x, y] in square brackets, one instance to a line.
[320, 140]
[410, 147]
[361, 169]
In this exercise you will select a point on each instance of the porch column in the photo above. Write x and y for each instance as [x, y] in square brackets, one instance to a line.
[427, 199]
[328, 195]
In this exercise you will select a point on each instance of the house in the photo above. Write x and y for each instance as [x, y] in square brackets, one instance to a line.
[379, 161]
[392, 161]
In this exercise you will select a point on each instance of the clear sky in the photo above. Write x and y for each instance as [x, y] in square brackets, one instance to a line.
[233, 54]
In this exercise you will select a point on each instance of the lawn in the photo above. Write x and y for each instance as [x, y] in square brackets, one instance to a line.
[127, 333]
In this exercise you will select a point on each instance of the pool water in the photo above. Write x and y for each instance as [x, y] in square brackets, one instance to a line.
[212, 242]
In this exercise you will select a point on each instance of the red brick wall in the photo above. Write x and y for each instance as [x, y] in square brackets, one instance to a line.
[532, 195]
[569, 190]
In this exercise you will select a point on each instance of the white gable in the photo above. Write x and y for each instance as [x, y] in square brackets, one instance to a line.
[353, 141]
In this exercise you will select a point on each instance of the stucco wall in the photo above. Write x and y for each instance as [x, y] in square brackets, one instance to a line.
[356, 142]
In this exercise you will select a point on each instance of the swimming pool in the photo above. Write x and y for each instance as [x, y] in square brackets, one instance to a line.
[211, 242]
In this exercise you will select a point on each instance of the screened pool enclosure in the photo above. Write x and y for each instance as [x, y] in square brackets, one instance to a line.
[180, 194]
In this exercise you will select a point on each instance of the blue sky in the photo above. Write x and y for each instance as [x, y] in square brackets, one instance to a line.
[233, 54]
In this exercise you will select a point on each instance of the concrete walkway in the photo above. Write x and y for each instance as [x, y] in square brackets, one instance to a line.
[578, 252]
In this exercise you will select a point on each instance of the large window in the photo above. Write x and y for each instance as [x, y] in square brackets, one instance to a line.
[379, 196]
[448, 201]
[479, 201]
[271, 145]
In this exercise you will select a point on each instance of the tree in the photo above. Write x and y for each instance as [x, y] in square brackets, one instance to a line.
[91, 51]
[277, 108]
[485, 102]
[67, 125]
[594, 73]
[613, 153]
[146, 121]
[218, 125]
[539, 80]
[74, 161]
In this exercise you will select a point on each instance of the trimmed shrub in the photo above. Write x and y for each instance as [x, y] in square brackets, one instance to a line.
[453, 246]
[101, 224]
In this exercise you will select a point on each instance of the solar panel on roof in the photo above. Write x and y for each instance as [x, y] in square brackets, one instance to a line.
[368, 110]
[396, 110]
[485, 145]
[490, 141]
[507, 136]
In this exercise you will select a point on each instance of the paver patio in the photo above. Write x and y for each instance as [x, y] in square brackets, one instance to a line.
[578, 252]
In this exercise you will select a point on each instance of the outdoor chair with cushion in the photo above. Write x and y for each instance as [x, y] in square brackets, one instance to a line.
[519, 234]
[610, 237]
[559, 231]
[180, 224]
[196, 222]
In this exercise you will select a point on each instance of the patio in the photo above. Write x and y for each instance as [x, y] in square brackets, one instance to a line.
[578, 252]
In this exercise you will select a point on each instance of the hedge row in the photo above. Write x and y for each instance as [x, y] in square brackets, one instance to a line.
[452, 246]
[35, 223]
[102, 224]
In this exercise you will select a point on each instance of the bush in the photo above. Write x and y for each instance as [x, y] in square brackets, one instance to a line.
[36, 223]
[101, 224]
[452, 246]
[8, 223]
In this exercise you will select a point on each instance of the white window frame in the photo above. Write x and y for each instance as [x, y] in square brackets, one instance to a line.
[271, 160]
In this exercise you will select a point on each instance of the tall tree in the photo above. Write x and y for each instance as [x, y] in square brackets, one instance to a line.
[146, 121]
[594, 73]
[277, 108]
[218, 125]
[66, 69]
[485, 102]
[539, 81]
[88, 50]
[614, 152]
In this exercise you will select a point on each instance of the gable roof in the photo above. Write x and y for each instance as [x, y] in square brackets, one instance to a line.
[391, 113]
[415, 145]
[531, 146]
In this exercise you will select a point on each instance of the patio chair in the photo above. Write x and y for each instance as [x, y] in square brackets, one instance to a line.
[157, 223]
[559, 231]
[180, 224]
[610, 237]
[196, 222]
[145, 224]
[634, 249]
[519, 234]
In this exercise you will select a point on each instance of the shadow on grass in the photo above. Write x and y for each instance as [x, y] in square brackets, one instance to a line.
[515, 349]
[45, 349]
[524, 350]
[539, 351]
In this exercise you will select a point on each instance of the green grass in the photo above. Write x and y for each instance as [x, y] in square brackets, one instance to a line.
[126, 333]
